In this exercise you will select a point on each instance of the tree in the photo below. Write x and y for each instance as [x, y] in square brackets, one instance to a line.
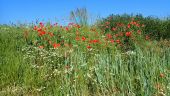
[79, 16]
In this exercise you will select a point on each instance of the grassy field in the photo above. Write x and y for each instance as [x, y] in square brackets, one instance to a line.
[54, 60]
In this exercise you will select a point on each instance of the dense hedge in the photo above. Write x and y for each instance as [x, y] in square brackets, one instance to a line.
[157, 28]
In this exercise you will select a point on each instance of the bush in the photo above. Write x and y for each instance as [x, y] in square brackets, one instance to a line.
[155, 27]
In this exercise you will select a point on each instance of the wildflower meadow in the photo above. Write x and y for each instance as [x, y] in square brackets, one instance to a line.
[107, 58]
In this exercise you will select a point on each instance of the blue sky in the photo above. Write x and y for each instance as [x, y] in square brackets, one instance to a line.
[26, 11]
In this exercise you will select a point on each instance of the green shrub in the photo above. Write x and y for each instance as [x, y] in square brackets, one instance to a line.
[155, 27]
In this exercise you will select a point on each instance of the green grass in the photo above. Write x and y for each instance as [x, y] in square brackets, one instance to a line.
[26, 70]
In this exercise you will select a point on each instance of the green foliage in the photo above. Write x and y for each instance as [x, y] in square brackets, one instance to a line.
[155, 27]
[31, 70]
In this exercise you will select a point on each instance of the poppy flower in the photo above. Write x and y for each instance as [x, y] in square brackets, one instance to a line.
[113, 29]
[83, 38]
[77, 38]
[128, 26]
[94, 41]
[118, 41]
[107, 23]
[107, 26]
[41, 24]
[109, 36]
[139, 32]
[128, 34]
[42, 32]
[112, 41]
[89, 47]
[41, 47]
[137, 25]
[56, 45]
[39, 29]
[133, 22]
[35, 27]
[116, 35]
[67, 28]
[121, 34]
[120, 24]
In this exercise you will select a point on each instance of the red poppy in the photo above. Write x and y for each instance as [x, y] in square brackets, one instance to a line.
[107, 23]
[118, 41]
[128, 34]
[42, 33]
[77, 38]
[109, 36]
[112, 41]
[41, 24]
[41, 47]
[128, 26]
[133, 22]
[138, 25]
[89, 47]
[107, 26]
[120, 24]
[67, 28]
[83, 38]
[94, 41]
[116, 35]
[121, 34]
[39, 29]
[56, 45]
[113, 29]
[139, 32]
[35, 27]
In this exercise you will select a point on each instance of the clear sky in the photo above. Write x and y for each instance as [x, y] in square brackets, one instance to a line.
[26, 11]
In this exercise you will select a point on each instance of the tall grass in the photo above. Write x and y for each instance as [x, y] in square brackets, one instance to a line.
[31, 71]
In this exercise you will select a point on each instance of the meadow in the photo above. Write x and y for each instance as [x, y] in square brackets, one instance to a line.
[105, 59]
